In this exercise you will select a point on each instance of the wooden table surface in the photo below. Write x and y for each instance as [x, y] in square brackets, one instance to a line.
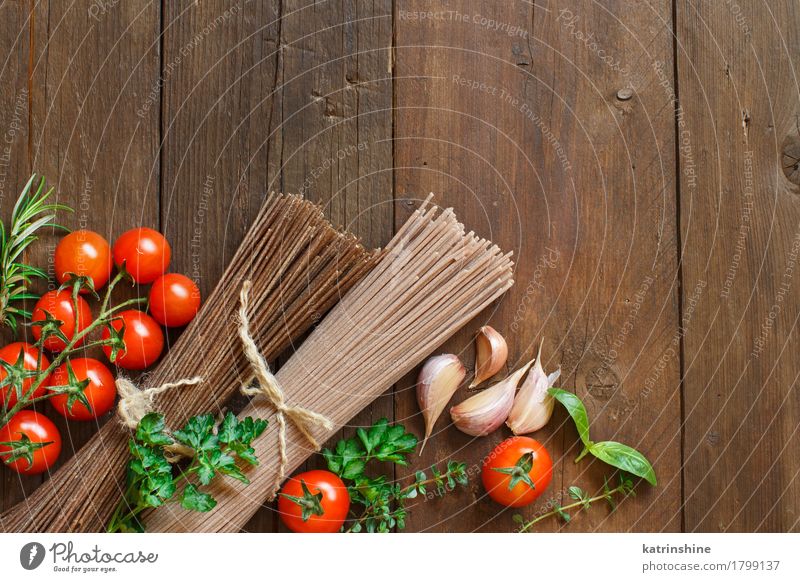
[639, 158]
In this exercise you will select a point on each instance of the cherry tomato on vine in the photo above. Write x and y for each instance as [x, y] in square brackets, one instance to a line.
[85, 253]
[174, 300]
[144, 252]
[143, 339]
[314, 502]
[33, 443]
[60, 306]
[24, 377]
[517, 471]
[100, 389]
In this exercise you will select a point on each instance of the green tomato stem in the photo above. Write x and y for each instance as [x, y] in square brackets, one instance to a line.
[74, 345]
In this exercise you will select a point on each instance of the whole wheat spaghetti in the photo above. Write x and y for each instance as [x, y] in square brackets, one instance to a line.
[299, 266]
[432, 279]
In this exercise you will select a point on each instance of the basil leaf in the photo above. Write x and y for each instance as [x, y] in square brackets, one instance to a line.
[576, 410]
[624, 457]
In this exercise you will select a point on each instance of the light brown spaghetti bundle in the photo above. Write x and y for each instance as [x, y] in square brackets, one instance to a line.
[299, 266]
[432, 279]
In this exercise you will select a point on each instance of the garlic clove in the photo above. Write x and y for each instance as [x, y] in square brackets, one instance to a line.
[491, 353]
[533, 406]
[485, 412]
[438, 380]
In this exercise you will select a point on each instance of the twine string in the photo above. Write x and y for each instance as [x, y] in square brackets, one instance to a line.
[267, 385]
[135, 403]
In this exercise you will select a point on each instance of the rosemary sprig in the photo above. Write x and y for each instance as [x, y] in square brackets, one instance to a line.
[31, 213]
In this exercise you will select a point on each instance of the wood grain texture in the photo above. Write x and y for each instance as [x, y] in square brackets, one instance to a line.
[183, 115]
[256, 100]
[15, 169]
[219, 113]
[101, 158]
[221, 118]
[336, 131]
[510, 119]
[740, 217]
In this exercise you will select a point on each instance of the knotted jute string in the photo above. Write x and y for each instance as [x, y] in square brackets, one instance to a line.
[269, 387]
[135, 403]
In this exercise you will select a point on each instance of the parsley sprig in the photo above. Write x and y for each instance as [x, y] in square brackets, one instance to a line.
[153, 481]
[382, 504]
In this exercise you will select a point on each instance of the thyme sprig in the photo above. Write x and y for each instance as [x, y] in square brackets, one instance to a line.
[382, 504]
[583, 501]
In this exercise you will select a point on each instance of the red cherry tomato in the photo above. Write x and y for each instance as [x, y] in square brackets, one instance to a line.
[144, 252]
[59, 304]
[517, 471]
[325, 515]
[143, 339]
[101, 390]
[11, 354]
[84, 253]
[39, 429]
[174, 300]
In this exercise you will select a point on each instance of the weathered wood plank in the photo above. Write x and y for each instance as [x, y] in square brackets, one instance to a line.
[220, 118]
[15, 169]
[509, 117]
[242, 117]
[738, 89]
[89, 70]
[218, 71]
[337, 128]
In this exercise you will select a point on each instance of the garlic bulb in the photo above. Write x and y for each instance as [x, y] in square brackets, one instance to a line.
[486, 411]
[438, 380]
[491, 353]
[533, 406]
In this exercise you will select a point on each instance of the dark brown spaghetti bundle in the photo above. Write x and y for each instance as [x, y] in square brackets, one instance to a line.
[431, 280]
[299, 265]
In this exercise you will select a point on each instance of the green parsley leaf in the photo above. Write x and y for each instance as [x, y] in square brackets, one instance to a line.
[198, 433]
[194, 500]
[151, 430]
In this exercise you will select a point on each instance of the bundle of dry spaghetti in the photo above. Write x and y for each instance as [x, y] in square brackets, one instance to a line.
[299, 266]
[432, 279]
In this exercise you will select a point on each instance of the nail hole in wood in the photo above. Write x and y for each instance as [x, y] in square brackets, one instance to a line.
[625, 94]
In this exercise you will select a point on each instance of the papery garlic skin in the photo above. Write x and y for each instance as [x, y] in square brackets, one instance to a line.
[533, 406]
[438, 380]
[485, 412]
[491, 353]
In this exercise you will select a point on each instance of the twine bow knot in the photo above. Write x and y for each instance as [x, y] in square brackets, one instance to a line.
[304, 419]
[135, 403]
